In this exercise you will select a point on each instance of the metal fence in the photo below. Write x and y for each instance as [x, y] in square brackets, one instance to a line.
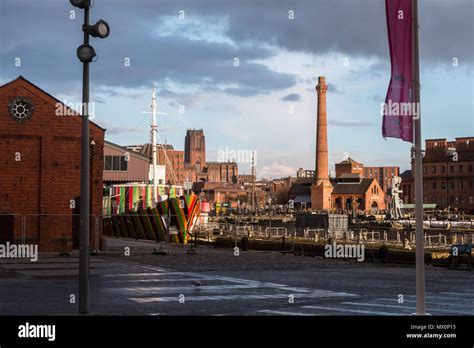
[52, 232]
[60, 232]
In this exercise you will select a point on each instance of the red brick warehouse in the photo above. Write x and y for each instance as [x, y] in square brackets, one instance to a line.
[40, 168]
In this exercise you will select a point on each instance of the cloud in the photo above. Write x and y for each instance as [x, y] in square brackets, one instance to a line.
[200, 48]
[292, 97]
[350, 124]
[333, 89]
[134, 55]
[276, 169]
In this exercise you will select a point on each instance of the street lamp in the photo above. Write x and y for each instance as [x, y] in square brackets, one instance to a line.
[86, 54]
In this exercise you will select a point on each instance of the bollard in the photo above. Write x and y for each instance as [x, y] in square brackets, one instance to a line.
[244, 243]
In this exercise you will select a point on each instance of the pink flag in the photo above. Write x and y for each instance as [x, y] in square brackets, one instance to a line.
[399, 109]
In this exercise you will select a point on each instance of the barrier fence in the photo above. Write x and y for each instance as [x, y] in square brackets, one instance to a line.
[52, 232]
[60, 232]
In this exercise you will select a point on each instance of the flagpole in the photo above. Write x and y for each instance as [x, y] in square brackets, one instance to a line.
[420, 249]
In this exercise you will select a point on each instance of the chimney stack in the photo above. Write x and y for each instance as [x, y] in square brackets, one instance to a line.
[321, 132]
[321, 189]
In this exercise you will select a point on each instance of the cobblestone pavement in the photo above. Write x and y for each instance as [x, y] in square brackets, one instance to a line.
[216, 282]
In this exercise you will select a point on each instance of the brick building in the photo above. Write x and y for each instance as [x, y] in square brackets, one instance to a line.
[448, 175]
[195, 148]
[382, 174]
[352, 191]
[190, 165]
[349, 166]
[246, 179]
[196, 166]
[167, 156]
[40, 168]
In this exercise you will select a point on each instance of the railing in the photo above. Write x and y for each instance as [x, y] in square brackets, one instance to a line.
[60, 232]
[52, 232]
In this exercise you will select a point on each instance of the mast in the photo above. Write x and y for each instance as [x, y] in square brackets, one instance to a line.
[154, 130]
[253, 181]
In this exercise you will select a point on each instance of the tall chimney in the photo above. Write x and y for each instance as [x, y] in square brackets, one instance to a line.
[321, 132]
[321, 189]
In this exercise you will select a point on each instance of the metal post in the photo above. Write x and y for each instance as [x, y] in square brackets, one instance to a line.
[169, 219]
[420, 261]
[154, 129]
[85, 193]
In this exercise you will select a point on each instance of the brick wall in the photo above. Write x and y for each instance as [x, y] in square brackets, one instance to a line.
[40, 161]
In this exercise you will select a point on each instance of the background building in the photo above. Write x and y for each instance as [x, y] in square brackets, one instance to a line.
[448, 175]
[198, 169]
[117, 169]
[305, 173]
[195, 149]
[383, 175]
[190, 165]
[167, 156]
[349, 166]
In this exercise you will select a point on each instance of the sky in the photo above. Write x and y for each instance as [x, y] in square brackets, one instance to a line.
[245, 71]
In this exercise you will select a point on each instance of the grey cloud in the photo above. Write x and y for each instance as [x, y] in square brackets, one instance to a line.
[350, 124]
[47, 40]
[292, 97]
[152, 58]
[333, 89]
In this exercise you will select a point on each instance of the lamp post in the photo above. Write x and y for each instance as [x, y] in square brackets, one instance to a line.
[86, 53]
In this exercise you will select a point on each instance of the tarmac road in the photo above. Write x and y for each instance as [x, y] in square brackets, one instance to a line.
[216, 282]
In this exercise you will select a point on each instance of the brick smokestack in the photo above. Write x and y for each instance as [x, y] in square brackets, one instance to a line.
[321, 189]
[321, 132]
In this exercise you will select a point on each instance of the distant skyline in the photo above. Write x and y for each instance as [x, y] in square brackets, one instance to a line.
[189, 50]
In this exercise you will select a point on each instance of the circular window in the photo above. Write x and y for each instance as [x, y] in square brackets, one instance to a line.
[20, 109]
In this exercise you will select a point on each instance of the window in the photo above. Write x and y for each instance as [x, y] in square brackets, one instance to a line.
[451, 199]
[451, 169]
[452, 185]
[123, 164]
[433, 186]
[461, 199]
[461, 185]
[115, 163]
[469, 185]
[443, 185]
[425, 186]
[433, 170]
[108, 162]
[461, 167]
[425, 170]
[471, 200]
[443, 200]
[425, 199]
[434, 199]
[469, 168]
[442, 169]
